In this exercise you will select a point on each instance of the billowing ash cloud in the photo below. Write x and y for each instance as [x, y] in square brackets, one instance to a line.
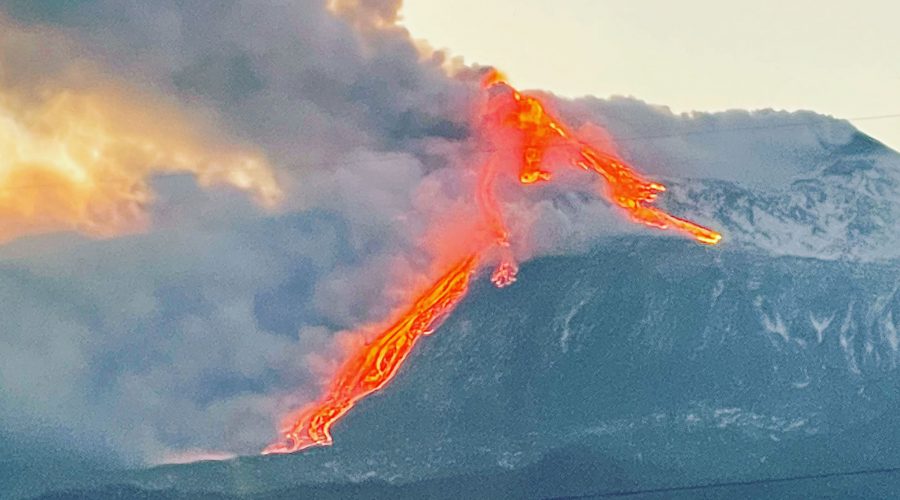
[196, 332]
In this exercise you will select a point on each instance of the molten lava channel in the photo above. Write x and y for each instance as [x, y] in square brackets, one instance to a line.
[377, 362]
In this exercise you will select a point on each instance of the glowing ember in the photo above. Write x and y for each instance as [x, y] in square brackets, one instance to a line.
[377, 362]
[534, 134]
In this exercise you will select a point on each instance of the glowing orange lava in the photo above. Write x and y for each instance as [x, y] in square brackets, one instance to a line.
[540, 132]
[520, 125]
[377, 362]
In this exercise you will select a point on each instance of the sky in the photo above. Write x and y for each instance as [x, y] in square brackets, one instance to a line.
[706, 55]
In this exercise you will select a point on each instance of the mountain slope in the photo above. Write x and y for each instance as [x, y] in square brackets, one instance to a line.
[847, 207]
[686, 364]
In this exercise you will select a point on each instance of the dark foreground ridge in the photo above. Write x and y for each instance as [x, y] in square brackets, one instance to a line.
[573, 470]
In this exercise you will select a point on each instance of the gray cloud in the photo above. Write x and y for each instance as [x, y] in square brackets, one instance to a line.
[198, 334]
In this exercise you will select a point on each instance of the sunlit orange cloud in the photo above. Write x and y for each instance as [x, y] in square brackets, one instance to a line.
[78, 147]
[81, 160]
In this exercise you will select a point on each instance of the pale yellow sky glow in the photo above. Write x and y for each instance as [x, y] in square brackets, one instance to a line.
[836, 58]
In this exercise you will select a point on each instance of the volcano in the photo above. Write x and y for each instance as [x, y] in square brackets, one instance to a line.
[295, 225]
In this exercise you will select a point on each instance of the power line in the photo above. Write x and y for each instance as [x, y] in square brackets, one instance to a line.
[639, 138]
[872, 117]
[753, 127]
[730, 484]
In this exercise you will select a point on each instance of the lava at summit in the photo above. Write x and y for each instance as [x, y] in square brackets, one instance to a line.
[541, 132]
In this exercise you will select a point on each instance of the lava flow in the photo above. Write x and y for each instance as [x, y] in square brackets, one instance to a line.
[377, 362]
[540, 132]
[512, 122]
